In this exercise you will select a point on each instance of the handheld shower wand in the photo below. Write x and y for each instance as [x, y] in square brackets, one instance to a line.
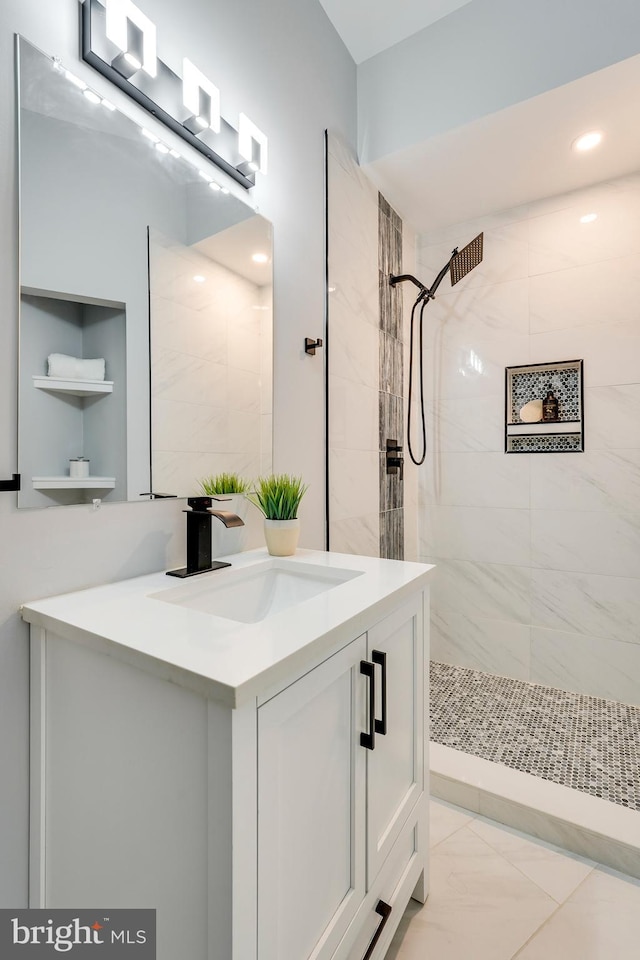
[458, 266]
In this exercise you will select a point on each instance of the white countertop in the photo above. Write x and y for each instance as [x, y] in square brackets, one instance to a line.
[226, 659]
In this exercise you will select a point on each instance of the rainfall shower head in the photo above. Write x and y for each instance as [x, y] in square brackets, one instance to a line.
[463, 262]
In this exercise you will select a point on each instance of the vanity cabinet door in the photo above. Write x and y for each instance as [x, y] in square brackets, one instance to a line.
[311, 809]
[395, 767]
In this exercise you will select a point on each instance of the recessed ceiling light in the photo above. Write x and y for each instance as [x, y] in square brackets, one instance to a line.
[587, 141]
[589, 218]
[260, 258]
[199, 278]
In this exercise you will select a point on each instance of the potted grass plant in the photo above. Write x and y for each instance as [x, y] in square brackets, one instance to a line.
[229, 489]
[223, 484]
[278, 497]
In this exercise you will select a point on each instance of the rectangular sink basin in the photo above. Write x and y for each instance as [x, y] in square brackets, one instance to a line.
[257, 592]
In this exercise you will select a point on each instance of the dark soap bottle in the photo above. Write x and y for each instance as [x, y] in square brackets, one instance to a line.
[550, 405]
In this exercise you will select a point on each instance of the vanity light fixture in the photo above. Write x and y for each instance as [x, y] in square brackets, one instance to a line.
[134, 35]
[589, 218]
[260, 258]
[119, 41]
[201, 98]
[252, 144]
[587, 141]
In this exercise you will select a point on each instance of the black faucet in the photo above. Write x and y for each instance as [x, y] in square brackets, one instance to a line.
[199, 536]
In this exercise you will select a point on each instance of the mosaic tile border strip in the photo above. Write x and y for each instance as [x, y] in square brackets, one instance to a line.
[391, 379]
[578, 741]
[557, 443]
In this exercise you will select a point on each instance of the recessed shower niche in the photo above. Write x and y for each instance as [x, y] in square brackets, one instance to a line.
[544, 410]
[66, 417]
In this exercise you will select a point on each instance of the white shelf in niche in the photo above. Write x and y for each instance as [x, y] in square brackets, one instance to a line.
[73, 483]
[76, 388]
[543, 427]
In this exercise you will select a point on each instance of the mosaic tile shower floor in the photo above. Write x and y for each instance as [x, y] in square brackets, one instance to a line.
[578, 741]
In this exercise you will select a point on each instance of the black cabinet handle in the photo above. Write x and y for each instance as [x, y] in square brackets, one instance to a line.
[383, 910]
[381, 659]
[368, 740]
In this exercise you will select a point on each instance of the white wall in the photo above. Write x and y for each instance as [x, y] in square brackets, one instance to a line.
[282, 63]
[538, 554]
[485, 56]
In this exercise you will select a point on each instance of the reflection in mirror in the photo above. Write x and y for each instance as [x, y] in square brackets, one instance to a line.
[104, 208]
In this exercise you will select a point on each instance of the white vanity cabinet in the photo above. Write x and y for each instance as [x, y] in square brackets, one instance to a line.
[228, 779]
[339, 789]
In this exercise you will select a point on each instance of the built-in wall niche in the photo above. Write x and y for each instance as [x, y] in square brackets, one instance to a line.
[544, 409]
[66, 417]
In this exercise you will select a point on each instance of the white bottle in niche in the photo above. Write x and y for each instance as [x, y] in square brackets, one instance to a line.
[79, 467]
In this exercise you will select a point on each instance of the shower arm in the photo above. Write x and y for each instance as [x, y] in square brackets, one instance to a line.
[426, 293]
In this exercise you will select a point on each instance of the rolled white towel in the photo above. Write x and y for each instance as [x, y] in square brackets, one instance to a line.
[75, 368]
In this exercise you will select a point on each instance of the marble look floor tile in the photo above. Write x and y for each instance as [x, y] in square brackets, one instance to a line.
[555, 871]
[444, 820]
[480, 906]
[600, 921]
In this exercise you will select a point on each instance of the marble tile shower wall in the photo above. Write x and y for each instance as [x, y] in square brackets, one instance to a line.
[538, 554]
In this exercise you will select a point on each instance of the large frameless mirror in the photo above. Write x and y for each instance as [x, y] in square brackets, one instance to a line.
[145, 306]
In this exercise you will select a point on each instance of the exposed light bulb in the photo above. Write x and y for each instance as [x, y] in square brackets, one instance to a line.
[587, 141]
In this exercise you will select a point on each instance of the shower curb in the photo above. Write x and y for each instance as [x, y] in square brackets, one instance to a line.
[597, 829]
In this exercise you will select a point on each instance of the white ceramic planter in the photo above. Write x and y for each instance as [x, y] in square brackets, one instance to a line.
[282, 536]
